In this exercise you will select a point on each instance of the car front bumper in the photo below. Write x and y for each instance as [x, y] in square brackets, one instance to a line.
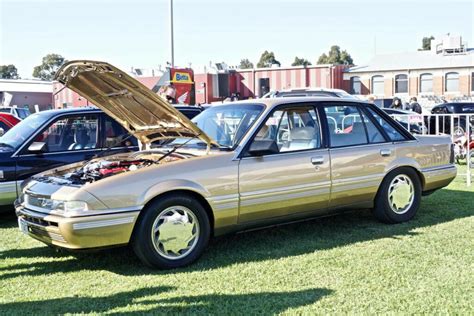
[76, 233]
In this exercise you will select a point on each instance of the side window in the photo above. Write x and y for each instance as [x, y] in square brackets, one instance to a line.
[70, 133]
[345, 126]
[374, 134]
[292, 129]
[389, 129]
[116, 135]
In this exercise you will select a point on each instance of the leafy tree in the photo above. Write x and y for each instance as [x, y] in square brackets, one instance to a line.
[426, 43]
[48, 67]
[8, 72]
[267, 60]
[301, 62]
[245, 64]
[336, 57]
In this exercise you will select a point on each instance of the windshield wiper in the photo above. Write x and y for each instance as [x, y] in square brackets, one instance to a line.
[176, 148]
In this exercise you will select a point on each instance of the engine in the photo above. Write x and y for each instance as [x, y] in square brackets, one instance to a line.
[99, 169]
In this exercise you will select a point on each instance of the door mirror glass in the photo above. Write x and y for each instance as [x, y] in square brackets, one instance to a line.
[2, 131]
[261, 147]
[37, 147]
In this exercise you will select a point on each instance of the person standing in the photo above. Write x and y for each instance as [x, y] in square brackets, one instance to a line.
[415, 106]
[396, 104]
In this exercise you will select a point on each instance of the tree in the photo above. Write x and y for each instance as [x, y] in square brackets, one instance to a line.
[48, 67]
[245, 64]
[9, 72]
[267, 60]
[301, 62]
[426, 43]
[336, 57]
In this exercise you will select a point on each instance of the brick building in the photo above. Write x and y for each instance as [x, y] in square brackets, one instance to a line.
[446, 70]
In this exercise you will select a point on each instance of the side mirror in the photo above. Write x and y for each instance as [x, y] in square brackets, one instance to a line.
[263, 147]
[37, 147]
[2, 131]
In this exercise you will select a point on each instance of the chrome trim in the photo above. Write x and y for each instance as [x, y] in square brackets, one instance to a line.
[250, 200]
[288, 153]
[103, 223]
[437, 168]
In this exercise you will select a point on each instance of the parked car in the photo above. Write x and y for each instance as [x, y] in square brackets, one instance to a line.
[410, 120]
[7, 121]
[444, 121]
[309, 92]
[20, 113]
[235, 166]
[50, 139]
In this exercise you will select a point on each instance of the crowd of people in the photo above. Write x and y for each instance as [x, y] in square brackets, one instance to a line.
[398, 104]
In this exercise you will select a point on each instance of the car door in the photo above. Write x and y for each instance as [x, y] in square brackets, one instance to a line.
[68, 139]
[292, 180]
[359, 151]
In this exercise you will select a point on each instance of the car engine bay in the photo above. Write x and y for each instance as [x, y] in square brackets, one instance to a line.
[101, 168]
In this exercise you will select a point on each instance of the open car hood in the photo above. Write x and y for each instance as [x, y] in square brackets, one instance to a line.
[142, 112]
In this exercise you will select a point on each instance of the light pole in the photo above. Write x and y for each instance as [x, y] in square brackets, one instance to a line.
[171, 33]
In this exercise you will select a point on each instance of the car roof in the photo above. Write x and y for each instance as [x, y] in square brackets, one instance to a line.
[272, 102]
[69, 111]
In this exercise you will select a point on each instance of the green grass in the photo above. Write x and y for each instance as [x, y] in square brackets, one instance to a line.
[343, 264]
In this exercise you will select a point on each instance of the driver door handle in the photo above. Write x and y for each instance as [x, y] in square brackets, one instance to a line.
[318, 160]
[385, 152]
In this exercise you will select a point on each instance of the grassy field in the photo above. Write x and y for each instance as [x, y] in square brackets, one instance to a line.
[348, 263]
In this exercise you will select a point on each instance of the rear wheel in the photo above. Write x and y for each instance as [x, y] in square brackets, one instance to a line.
[172, 232]
[399, 196]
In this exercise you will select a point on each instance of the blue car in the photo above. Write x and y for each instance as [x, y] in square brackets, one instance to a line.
[50, 139]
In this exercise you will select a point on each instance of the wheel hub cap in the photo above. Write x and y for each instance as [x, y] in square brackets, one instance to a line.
[175, 232]
[401, 193]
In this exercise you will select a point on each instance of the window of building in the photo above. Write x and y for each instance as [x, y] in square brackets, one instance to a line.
[356, 86]
[452, 82]
[426, 83]
[377, 85]
[401, 84]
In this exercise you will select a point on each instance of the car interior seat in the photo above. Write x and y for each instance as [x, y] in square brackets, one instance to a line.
[81, 139]
[302, 138]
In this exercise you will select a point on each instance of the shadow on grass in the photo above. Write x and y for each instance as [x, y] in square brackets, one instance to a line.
[284, 241]
[145, 300]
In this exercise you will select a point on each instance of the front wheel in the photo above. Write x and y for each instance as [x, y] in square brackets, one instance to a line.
[172, 232]
[399, 196]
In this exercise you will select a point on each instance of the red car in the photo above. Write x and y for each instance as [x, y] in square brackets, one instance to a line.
[7, 121]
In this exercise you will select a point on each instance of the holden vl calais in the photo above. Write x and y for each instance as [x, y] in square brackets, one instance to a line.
[236, 166]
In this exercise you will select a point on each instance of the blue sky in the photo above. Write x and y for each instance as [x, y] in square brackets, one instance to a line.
[136, 33]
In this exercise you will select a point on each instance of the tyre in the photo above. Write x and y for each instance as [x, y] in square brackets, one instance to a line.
[399, 196]
[171, 232]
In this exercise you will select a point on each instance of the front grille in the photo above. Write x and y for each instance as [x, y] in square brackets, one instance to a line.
[39, 221]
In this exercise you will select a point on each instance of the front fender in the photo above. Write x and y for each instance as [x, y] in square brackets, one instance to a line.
[172, 185]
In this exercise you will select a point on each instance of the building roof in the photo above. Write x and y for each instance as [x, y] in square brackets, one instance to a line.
[416, 60]
[18, 85]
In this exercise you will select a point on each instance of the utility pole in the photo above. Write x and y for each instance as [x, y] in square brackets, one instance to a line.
[171, 34]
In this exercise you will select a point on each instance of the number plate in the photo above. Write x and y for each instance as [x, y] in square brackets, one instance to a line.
[23, 226]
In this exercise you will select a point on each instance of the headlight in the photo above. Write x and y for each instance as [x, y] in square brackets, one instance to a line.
[75, 206]
[57, 206]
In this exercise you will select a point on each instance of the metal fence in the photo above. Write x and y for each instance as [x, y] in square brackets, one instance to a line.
[458, 126]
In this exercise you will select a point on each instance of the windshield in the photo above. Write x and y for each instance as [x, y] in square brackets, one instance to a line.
[226, 124]
[23, 130]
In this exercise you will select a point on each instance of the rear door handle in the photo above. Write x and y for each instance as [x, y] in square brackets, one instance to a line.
[385, 152]
[318, 160]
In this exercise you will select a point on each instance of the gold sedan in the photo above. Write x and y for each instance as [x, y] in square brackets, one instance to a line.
[236, 166]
